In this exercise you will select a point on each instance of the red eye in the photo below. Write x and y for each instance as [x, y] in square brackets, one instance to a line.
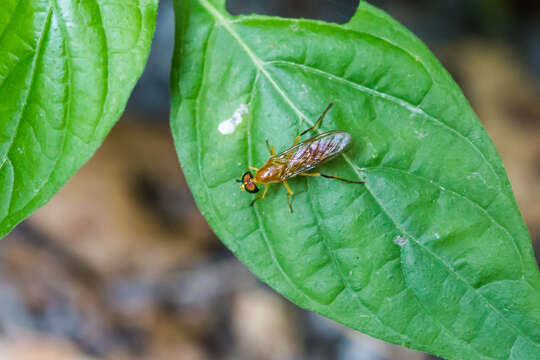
[247, 177]
[251, 188]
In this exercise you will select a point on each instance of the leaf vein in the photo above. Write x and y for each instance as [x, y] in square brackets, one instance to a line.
[106, 68]
[448, 266]
[342, 276]
[396, 100]
[457, 194]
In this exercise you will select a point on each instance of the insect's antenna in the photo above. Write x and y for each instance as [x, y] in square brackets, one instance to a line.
[238, 181]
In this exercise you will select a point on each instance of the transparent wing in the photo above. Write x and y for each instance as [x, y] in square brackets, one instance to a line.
[313, 152]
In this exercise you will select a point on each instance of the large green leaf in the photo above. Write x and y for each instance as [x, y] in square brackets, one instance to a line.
[431, 253]
[67, 68]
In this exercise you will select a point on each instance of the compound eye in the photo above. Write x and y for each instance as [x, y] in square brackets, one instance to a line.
[251, 188]
[246, 177]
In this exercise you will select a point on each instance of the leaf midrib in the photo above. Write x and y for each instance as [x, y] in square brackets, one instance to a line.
[56, 11]
[39, 47]
[260, 67]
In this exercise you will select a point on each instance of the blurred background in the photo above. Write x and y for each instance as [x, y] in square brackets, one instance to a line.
[120, 265]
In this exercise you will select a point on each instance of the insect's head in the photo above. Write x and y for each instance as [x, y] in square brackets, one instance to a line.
[248, 183]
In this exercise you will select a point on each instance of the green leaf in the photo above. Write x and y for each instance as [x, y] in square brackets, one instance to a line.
[67, 68]
[431, 253]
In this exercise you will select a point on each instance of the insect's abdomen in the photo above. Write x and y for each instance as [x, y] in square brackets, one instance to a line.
[313, 152]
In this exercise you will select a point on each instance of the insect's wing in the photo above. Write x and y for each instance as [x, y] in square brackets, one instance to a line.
[313, 152]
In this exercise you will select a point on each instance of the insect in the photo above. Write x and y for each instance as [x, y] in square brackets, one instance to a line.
[297, 160]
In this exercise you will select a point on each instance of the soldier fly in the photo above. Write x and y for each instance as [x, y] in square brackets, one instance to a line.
[296, 160]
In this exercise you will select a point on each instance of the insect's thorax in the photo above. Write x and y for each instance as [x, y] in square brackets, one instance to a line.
[270, 172]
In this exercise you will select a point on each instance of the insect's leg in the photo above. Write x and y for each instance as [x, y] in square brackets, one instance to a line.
[314, 126]
[290, 193]
[253, 168]
[260, 196]
[270, 148]
[265, 191]
[320, 119]
[333, 177]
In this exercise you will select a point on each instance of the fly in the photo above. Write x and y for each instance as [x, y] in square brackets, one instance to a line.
[297, 160]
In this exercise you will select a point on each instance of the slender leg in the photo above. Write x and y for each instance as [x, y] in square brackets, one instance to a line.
[314, 126]
[290, 193]
[253, 168]
[260, 196]
[270, 148]
[333, 177]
